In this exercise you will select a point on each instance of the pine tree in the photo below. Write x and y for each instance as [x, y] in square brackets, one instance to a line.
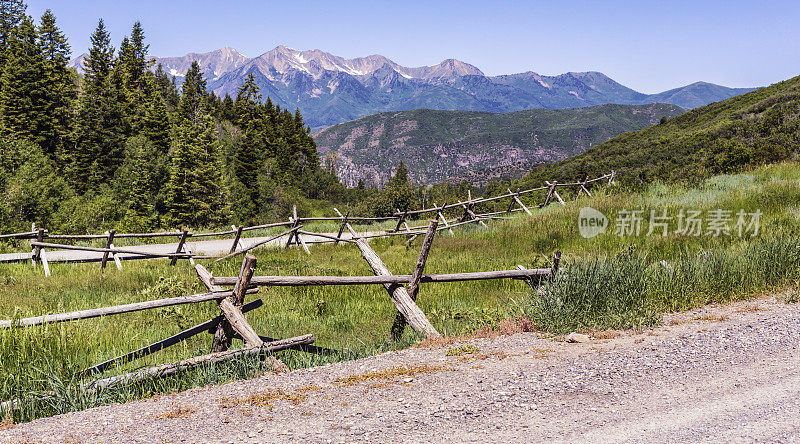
[135, 78]
[399, 190]
[250, 154]
[166, 88]
[22, 95]
[59, 95]
[193, 98]
[227, 109]
[248, 104]
[137, 63]
[100, 129]
[194, 194]
[138, 178]
[12, 12]
[156, 124]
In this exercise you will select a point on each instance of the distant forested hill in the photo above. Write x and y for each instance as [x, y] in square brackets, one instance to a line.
[441, 145]
[756, 128]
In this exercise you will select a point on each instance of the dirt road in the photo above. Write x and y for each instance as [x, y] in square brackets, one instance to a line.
[726, 373]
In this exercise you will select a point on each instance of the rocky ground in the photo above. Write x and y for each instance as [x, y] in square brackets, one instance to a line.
[721, 373]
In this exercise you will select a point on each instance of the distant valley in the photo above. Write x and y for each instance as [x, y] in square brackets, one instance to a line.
[448, 145]
[328, 89]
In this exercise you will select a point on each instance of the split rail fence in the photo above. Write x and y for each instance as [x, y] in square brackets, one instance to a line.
[233, 324]
[295, 234]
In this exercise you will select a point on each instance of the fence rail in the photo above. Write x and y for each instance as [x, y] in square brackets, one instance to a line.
[296, 236]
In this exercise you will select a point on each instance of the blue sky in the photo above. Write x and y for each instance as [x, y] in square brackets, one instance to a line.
[646, 45]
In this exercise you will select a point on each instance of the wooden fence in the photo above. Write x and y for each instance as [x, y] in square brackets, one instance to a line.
[295, 234]
[232, 323]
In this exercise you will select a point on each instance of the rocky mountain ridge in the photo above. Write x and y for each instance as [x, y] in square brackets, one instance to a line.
[328, 89]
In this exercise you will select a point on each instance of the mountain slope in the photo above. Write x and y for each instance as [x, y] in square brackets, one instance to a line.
[759, 127]
[214, 64]
[697, 94]
[441, 145]
[328, 89]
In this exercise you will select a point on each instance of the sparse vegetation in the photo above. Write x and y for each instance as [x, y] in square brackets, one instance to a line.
[793, 295]
[267, 399]
[390, 373]
[462, 350]
[180, 411]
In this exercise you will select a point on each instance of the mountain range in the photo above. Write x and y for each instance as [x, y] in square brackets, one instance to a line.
[328, 89]
[476, 146]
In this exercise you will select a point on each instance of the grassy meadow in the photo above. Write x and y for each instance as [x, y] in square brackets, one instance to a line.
[609, 282]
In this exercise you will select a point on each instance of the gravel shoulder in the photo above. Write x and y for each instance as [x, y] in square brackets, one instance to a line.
[720, 373]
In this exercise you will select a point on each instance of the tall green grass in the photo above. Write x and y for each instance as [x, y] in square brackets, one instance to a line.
[628, 290]
[609, 282]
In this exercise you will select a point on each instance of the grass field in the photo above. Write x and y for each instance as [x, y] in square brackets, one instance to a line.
[609, 281]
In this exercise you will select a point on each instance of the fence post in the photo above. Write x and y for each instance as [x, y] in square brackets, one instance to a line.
[413, 286]
[116, 258]
[470, 214]
[411, 312]
[401, 220]
[236, 239]
[555, 192]
[37, 249]
[583, 188]
[231, 307]
[109, 243]
[444, 219]
[295, 222]
[556, 261]
[519, 202]
[341, 229]
[549, 194]
[347, 224]
[43, 259]
[174, 259]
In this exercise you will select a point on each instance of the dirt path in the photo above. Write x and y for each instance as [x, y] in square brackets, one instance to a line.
[726, 373]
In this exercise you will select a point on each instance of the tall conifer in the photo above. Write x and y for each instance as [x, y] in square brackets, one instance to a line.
[60, 92]
[100, 130]
[193, 98]
[194, 195]
[22, 95]
[11, 14]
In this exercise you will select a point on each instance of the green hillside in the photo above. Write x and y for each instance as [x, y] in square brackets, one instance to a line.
[442, 145]
[756, 128]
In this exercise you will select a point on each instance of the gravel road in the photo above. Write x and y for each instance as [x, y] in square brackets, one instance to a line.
[721, 373]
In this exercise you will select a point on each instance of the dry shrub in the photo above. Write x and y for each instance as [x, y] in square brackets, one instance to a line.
[389, 373]
[508, 326]
[266, 399]
[710, 318]
[450, 340]
[606, 334]
[7, 423]
[462, 350]
[520, 324]
[180, 411]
